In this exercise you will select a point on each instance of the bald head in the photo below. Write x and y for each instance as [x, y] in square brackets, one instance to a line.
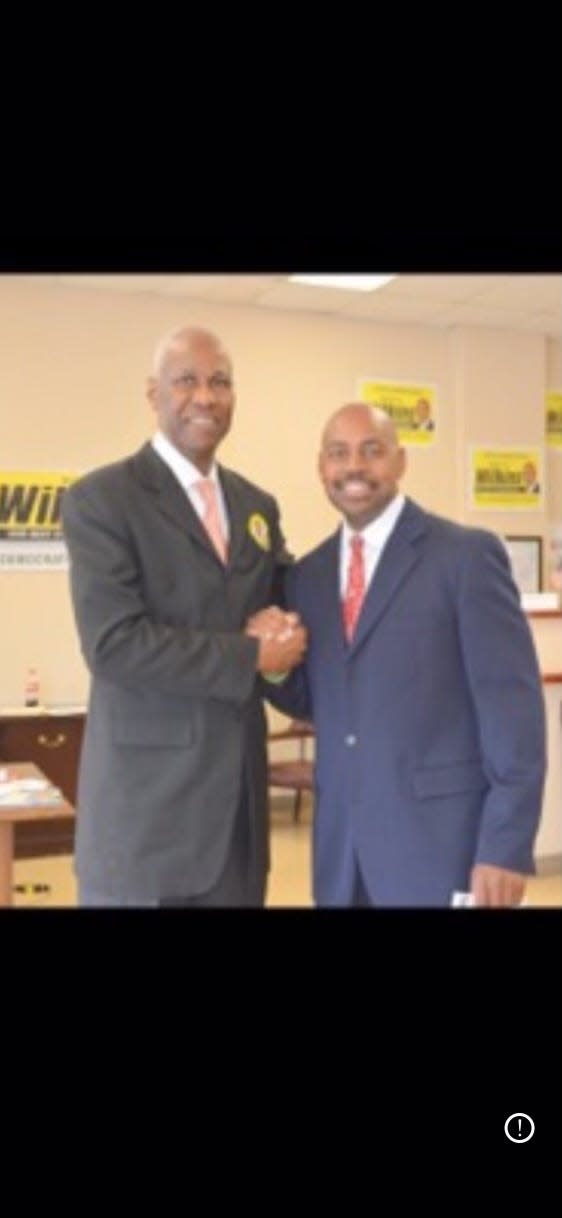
[192, 393]
[371, 416]
[187, 338]
[360, 462]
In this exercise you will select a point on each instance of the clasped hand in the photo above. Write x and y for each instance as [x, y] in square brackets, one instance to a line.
[281, 637]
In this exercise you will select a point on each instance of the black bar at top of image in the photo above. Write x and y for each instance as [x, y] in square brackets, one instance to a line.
[277, 252]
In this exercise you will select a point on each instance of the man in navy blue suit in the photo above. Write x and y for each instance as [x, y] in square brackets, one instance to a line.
[429, 715]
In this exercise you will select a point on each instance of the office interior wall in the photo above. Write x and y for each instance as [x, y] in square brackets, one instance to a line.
[73, 367]
[554, 455]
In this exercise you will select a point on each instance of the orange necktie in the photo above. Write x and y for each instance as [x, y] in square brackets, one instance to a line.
[355, 590]
[211, 516]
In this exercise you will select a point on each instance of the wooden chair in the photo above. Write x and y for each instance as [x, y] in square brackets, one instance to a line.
[297, 773]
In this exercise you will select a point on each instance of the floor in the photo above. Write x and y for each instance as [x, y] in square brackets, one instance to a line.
[50, 881]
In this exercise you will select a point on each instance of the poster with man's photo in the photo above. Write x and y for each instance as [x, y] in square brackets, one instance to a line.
[412, 408]
[503, 478]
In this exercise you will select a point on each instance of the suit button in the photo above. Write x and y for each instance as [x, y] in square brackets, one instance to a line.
[351, 741]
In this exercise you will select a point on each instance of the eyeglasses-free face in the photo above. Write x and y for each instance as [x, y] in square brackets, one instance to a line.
[194, 398]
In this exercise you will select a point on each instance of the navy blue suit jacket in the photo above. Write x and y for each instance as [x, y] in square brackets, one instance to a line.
[430, 749]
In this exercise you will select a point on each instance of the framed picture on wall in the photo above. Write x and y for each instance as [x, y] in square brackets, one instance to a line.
[525, 554]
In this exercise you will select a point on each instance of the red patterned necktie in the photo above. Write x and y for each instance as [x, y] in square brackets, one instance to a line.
[211, 516]
[355, 590]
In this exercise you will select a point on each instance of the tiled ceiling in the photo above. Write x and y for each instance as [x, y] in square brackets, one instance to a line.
[520, 302]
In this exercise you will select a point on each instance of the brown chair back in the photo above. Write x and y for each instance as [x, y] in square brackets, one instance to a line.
[296, 773]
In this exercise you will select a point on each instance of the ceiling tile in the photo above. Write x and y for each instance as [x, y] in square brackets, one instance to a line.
[518, 301]
[301, 296]
[445, 287]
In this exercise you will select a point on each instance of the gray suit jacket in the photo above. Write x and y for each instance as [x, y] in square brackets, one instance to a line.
[175, 722]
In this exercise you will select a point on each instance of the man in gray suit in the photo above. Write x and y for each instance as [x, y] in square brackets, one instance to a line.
[170, 555]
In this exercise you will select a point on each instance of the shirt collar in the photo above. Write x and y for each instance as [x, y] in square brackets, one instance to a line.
[376, 533]
[186, 472]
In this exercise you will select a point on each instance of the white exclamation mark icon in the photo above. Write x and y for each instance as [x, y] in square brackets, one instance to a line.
[522, 1133]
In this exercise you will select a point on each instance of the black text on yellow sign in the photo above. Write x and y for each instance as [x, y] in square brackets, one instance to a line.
[30, 503]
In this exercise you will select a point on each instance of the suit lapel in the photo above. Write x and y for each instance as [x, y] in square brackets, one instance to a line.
[168, 496]
[326, 591]
[238, 511]
[398, 558]
[171, 500]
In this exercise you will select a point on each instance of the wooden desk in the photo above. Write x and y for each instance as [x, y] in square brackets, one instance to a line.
[13, 815]
[52, 739]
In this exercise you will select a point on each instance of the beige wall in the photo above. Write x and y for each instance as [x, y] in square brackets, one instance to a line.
[554, 455]
[73, 364]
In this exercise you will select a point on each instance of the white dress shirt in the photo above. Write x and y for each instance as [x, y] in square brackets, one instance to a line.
[375, 536]
[187, 475]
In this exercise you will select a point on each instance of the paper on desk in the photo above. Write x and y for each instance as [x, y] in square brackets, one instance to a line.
[16, 791]
[24, 784]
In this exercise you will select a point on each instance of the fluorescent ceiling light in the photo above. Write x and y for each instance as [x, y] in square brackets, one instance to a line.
[351, 283]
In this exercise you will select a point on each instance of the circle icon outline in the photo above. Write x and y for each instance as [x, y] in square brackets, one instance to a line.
[518, 1141]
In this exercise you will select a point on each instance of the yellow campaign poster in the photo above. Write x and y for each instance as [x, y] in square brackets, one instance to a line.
[411, 408]
[506, 478]
[554, 420]
[30, 520]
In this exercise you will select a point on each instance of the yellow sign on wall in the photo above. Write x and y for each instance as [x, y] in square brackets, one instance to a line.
[30, 520]
[506, 478]
[554, 419]
[411, 408]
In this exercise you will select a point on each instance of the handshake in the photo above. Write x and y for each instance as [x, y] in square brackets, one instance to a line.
[281, 639]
